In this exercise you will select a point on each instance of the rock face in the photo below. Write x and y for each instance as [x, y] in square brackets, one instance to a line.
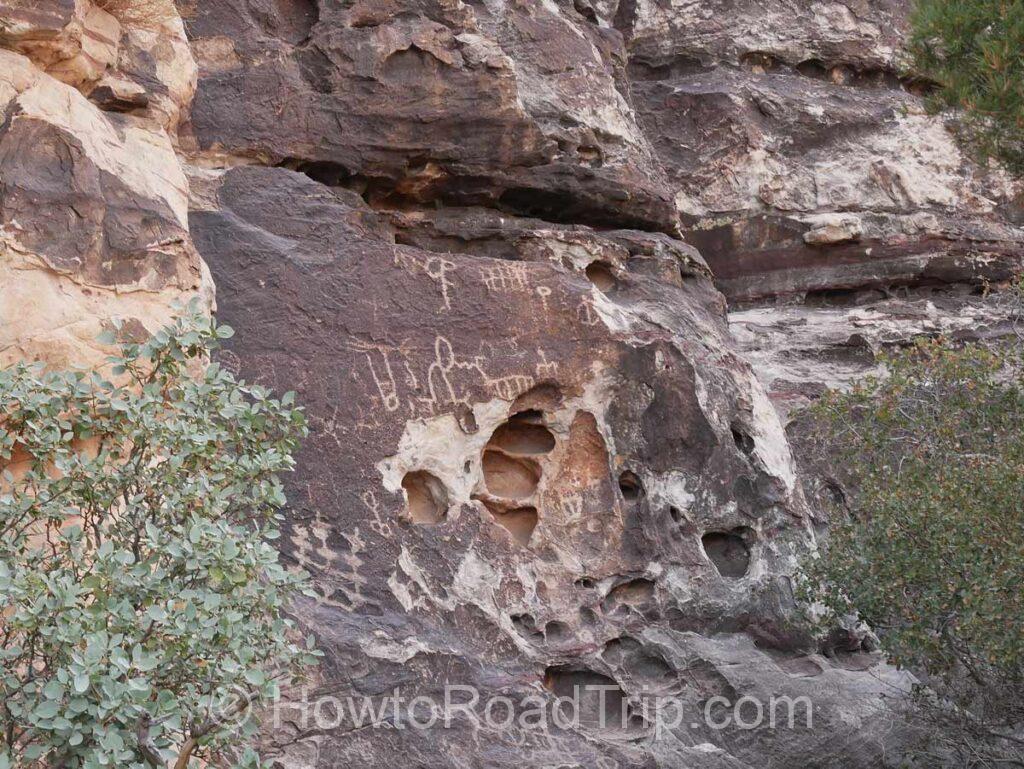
[93, 199]
[836, 338]
[799, 159]
[536, 463]
[837, 217]
[519, 105]
[491, 245]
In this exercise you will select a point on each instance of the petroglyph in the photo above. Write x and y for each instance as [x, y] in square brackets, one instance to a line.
[506, 277]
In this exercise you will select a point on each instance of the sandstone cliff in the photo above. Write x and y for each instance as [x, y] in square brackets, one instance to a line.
[492, 245]
[93, 199]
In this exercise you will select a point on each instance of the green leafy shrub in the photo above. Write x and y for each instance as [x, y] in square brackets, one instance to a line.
[141, 602]
[931, 552]
[974, 51]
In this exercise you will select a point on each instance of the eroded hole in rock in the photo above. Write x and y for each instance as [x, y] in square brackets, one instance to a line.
[680, 66]
[466, 419]
[602, 703]
[675, 514]
[842, 75]
[813, 68]
[706, 680]
[601, 275]
[526, 626]
[616, 649]
[411, 65]
[920, 86]
[323, 171]
[556, 632]
[523, 622]
[842, 639]
[842, 297]
[636, 593]
[728, 551]
[567, 208]
[542, 397]
[636, 720]
[760, 61]
[591, 156]
[521, 435]
[510, 477]
[111, 99]
[630, 486]
[527, 416]
[426, 497]
[519, 522]
[642, 664]
[743, 440]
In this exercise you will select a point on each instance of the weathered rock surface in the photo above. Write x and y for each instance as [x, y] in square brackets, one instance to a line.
[93, 203]
[836, 215]
[520, 105]
[528, 471]
[863, 34]
[799, 158]
[540, 457]
[835, 337]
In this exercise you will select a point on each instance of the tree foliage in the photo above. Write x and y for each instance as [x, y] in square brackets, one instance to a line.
[974, 51]
[141, 600]
[931, 553]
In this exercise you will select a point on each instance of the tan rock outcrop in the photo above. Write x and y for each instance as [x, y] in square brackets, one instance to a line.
[132, 54]
[75, 41]
[93, 203]
[155, 55]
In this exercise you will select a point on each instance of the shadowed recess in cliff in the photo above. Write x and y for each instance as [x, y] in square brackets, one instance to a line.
[426, 497]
